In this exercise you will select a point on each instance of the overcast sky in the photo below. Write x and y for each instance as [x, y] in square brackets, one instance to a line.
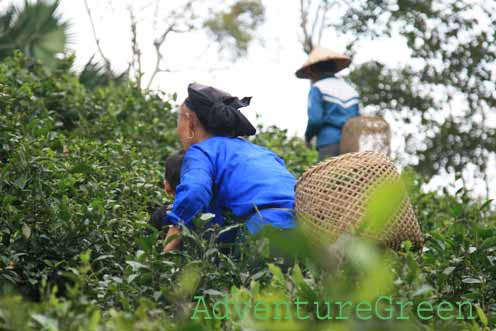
[266, 73]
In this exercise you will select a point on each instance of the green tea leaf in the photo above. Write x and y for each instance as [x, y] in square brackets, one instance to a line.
[26, 231]
[482, 315]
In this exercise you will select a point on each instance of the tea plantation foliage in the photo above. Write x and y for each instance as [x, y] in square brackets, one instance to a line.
[81, 170]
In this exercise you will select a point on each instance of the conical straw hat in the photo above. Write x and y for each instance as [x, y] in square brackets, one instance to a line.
[320, 54]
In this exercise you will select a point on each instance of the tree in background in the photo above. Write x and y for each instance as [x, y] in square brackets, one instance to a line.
[95, 74]
[35, 29]
[314, 20]
[449, 85]
[235, 27]
[38, 31]
[231, 25]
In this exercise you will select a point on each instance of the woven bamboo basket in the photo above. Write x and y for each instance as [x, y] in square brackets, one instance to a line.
[332, 199]
[366, 133]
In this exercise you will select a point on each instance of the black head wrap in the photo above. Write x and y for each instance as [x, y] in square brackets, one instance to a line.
[218, 111]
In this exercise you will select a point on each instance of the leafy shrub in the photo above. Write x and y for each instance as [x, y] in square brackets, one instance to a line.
[292, 149]
[79, 172]
[80, 169]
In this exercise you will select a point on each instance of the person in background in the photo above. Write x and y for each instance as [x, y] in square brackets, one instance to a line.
[331, 100]
[222, 172]
[171, 180]
[173, 165]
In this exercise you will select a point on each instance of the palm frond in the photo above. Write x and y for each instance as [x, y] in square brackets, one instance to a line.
[36, 29]
[95, 75]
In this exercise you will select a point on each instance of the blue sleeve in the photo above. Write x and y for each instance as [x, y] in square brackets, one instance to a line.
[194, 192]
[315, 112]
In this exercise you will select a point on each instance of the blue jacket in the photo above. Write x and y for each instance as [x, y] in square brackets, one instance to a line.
[331, 102]
[232, 173]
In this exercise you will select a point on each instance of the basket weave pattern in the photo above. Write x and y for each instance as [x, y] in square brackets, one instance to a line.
[366, 133]
[331, 199]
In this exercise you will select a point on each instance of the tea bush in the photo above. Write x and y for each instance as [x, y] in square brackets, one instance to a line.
[81, 170]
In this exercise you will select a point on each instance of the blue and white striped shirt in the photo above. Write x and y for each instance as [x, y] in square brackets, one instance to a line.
[331, 102]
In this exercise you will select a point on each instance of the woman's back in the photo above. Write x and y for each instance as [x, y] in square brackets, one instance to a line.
[250, 180]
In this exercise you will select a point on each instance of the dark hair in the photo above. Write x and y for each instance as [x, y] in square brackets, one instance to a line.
[173, 168]
[324, 68]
